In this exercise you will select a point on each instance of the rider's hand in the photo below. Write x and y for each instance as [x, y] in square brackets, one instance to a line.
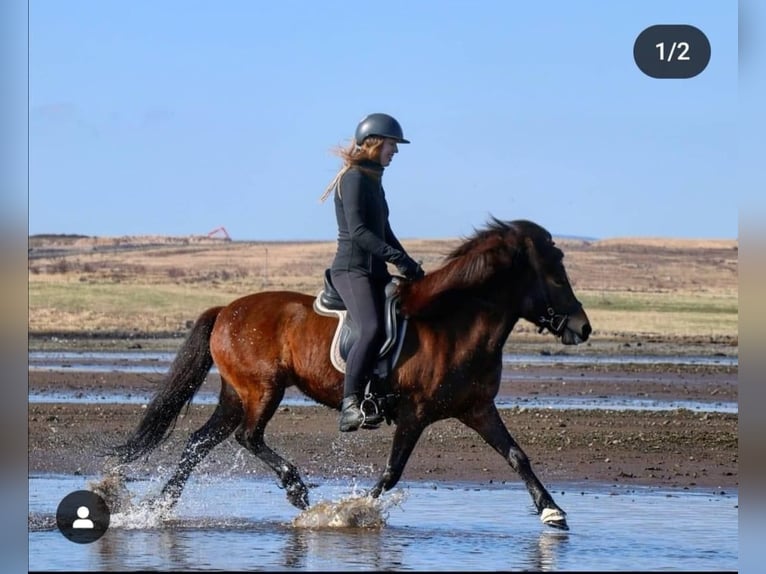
[410, 268]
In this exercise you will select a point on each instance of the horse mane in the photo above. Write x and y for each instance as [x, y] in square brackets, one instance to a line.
[469, 266]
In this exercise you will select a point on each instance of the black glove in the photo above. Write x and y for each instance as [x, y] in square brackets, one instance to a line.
[410, 268]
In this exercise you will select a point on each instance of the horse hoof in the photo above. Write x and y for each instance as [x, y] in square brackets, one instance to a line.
[298, 497]
[554, 518]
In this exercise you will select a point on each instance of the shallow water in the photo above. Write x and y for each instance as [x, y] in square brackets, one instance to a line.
[247, 524]
[157, 363]
[559, 403]
[136, 361]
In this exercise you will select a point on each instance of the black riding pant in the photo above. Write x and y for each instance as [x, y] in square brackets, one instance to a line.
[364, 297]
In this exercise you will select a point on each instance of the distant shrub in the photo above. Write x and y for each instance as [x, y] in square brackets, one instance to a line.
[176, 272]
[60, 266]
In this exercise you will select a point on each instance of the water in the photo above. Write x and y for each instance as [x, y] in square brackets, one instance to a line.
[157, 363]
[558, 403]
[153, 362]
[247, 524]
[235, 523]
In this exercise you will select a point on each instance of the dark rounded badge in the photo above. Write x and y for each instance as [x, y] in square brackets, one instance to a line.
[82, 516]
[671, 51]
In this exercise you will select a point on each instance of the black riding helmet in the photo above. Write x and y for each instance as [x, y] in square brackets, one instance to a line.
[381, 125]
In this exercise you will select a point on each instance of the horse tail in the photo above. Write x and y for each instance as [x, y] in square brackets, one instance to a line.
[186, 375]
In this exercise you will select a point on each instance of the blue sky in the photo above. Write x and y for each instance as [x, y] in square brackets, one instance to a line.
[180, 116]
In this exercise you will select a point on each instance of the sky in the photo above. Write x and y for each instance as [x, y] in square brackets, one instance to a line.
[181, 116]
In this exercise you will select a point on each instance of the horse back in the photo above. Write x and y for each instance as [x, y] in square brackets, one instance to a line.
[267, 320]
[276, 338]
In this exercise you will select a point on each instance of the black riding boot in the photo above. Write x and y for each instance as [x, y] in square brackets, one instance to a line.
[351, 417]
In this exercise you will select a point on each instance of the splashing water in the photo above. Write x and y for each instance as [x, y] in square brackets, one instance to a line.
[352, 512]
[141, 516]
[355, 510]
[113, 490]
[125, 512]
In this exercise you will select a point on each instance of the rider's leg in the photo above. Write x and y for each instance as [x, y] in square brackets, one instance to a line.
[363, 297]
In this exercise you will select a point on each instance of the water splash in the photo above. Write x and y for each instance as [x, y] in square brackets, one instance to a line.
[125, 511]
[113, 490]
[352, 512]
[347, 464]
[142, 516]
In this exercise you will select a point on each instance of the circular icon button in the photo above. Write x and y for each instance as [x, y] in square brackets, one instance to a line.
[82, 516]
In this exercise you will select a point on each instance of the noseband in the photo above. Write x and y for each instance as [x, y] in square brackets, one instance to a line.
[556, 323]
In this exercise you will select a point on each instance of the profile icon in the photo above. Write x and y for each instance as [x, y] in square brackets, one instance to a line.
[82, 516]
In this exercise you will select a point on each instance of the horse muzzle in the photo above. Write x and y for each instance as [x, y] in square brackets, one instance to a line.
[573, 329]
[577, 329]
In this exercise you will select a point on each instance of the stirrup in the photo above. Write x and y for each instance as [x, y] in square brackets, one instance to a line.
[371, 415]
[350, 408]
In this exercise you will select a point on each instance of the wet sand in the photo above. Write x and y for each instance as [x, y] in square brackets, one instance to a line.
[679, 448]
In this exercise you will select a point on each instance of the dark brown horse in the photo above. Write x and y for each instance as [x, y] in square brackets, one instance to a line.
[460, 316]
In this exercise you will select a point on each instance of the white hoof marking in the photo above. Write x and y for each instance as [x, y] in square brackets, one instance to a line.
[549, 515]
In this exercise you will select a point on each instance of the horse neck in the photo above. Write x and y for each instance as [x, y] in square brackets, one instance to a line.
[488, 310]
[486, 320]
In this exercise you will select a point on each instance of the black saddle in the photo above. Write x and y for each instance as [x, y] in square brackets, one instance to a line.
[379, 397]
[331, 299]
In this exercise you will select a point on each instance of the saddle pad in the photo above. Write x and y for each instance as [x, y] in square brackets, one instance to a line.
[337, 361]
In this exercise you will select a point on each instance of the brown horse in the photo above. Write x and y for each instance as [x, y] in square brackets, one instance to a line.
[460, 316]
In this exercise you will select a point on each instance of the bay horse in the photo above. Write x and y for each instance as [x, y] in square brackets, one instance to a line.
[460, 316]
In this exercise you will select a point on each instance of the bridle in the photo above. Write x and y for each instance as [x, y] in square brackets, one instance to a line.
[553, 321]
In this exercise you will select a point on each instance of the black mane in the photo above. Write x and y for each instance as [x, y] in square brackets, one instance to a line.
[489, 250]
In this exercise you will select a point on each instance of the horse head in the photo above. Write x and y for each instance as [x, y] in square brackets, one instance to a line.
[514, 266]
[550, 303]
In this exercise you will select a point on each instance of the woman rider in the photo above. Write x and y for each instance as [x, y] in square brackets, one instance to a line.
[365, 244]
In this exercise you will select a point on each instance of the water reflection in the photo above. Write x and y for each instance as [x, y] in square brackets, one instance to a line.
[543, 556]
[283, 547]
[244, 524]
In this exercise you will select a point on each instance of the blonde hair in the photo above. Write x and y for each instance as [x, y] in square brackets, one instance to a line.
[353, 155]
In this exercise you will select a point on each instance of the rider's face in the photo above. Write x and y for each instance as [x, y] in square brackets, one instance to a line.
[387, 151]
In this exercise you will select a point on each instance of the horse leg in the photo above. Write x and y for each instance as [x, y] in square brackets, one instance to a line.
[490, 426]
[405, 438]
[226, 417]
[250, 435]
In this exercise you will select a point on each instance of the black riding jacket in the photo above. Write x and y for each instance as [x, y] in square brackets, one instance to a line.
[365, 239]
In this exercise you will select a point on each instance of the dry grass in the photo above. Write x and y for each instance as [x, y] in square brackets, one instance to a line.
[669, 288]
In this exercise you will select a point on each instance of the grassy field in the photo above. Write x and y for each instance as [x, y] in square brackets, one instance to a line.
[629, 287]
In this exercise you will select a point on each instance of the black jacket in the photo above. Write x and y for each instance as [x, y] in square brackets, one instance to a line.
[365, 239]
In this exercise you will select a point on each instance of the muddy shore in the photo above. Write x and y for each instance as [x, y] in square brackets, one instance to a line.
[676, 449]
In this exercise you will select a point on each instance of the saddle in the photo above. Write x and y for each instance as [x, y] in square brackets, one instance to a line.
[378, 395]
